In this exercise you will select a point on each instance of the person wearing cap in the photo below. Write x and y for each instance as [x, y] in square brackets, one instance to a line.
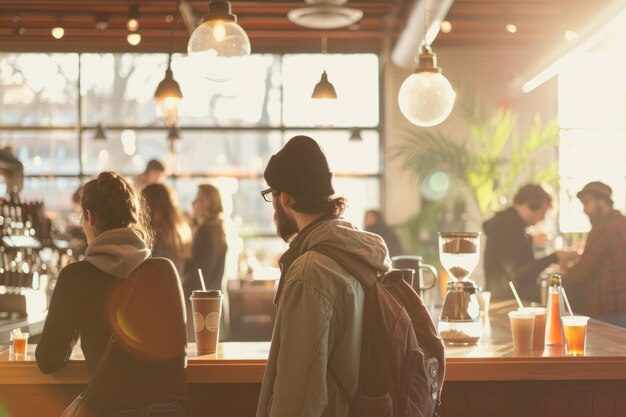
[509, 252]
[313, 364]
[598, 280]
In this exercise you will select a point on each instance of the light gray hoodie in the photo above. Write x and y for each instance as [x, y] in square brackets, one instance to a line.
[117, 252]
[313, 365]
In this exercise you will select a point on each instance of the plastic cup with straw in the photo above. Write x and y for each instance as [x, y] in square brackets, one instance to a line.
[575, 330]
[522, 324]
[569, 307]
[519, 302]
[201, 278]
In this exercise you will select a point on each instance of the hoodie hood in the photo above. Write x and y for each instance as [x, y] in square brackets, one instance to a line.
[117, 252]
[344, 236]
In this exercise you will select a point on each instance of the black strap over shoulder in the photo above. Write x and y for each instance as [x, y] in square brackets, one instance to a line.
[356, 266]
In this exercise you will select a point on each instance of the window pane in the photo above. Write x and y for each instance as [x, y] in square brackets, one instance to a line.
[118, 89]
[126, 151]
[250, 99]
[362, 193]
[355, 78]
[588, 99]
[42, 153]
[364, 155]
[591, 154]
[584, 156]
[39, 89]
[226, 152]
[247, 152]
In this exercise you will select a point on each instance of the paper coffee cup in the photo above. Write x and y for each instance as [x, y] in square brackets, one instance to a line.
[207, 310]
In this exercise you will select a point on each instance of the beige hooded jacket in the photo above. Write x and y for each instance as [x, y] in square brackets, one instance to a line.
[313, 365]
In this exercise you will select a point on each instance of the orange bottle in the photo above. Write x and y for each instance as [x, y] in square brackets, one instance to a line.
[554, 326]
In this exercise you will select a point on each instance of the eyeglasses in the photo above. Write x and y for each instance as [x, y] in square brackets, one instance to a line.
[269, 194]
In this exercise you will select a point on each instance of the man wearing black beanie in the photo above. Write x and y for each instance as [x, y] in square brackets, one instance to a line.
[313, 365]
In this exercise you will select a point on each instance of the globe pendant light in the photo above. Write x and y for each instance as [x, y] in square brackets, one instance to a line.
[219, 45]
[168, 96]
[426, 98]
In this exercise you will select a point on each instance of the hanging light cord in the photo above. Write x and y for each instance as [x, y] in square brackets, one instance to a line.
[169, 61]
[324, 45]
[426, 44]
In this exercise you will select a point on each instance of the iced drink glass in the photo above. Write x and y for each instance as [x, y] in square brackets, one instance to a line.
[575, 329]
[20, 343]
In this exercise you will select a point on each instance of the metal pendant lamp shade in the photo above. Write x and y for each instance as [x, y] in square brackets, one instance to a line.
[355, 135]
[100, 134]
[168, 96]
[168, 88]
[324, 89]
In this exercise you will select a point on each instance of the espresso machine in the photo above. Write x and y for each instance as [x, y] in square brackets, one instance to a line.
[459, 323]
[23, 275]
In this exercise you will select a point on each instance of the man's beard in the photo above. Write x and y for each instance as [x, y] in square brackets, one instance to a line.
[285, 226]
[595, 216]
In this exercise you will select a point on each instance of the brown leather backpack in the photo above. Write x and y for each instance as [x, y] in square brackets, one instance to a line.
[402, 363]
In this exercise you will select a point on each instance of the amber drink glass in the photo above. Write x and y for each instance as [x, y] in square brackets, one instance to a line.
[20, 343]
[575, 329]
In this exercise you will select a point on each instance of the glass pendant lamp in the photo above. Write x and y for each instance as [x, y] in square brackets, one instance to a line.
[426, 97]
[219, 45]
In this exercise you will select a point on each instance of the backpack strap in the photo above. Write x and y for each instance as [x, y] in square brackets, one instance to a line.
[357, 267]
[373, 370]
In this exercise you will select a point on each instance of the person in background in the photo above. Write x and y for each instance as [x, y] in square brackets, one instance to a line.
[375, 223]
[172, 234]
[74, 231]
[153, 174]
[508, 250]
[597, 283]
[208, 248]
[12, 170]
[145, 371]
[313, 364]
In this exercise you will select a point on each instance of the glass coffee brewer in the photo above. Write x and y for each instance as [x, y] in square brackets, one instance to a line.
[459, 322]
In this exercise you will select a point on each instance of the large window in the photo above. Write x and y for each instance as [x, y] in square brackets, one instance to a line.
[592, 116]
[52, 104]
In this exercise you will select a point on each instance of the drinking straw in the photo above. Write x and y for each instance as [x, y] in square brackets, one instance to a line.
[201, 279]
[519, 302]
[569, 308]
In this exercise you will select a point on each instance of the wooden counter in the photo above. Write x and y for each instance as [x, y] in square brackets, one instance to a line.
[483, 380]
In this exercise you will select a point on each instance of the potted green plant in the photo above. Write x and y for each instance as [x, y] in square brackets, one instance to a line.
[489, 161]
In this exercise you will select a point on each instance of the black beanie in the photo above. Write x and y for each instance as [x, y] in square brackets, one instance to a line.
[300, 168]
